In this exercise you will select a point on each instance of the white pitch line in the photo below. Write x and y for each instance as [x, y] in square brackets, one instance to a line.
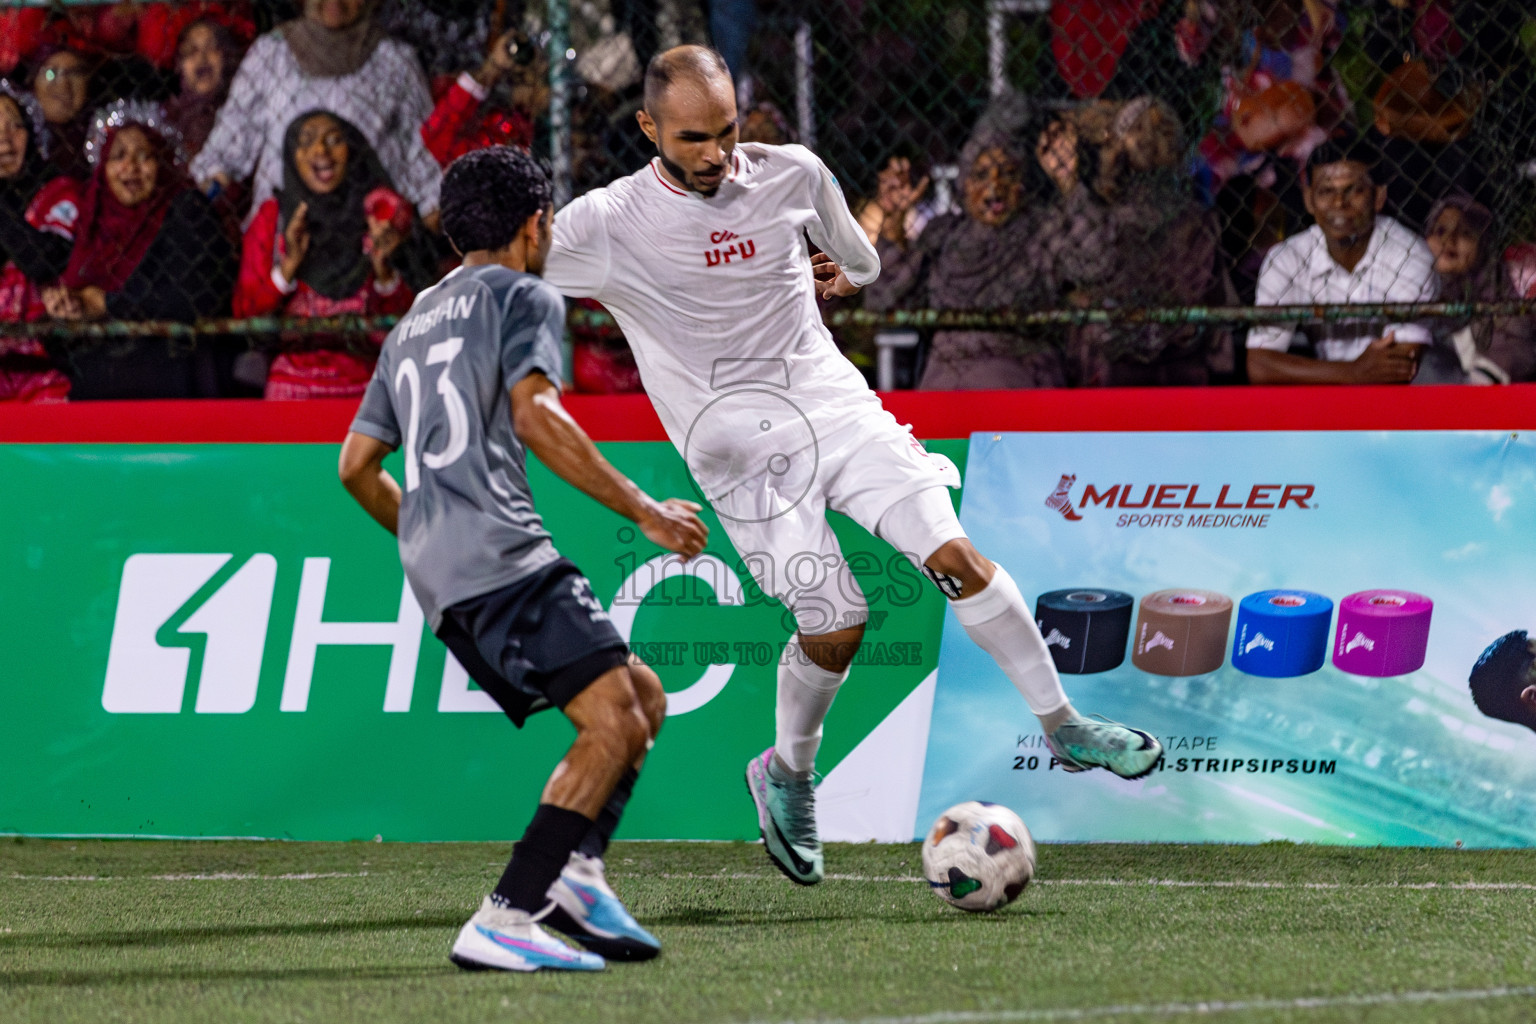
[757, 876]
[1130, 883]
[1203, 1008]
[220, 876]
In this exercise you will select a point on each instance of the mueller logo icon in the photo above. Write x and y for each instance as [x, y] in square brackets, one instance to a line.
[1358, 641]
[1057, 639]
[1060, 499]
[744, 249]
[1159, 639]
[1259, 640]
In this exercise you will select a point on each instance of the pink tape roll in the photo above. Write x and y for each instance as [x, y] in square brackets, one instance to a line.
[1382, 632]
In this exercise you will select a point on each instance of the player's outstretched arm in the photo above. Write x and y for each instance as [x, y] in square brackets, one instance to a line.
[363, 475]
[542, 424]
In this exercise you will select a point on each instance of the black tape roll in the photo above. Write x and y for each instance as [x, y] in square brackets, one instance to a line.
[1085, 628]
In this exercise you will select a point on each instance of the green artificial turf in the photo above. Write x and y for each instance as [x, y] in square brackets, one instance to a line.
[88, 932]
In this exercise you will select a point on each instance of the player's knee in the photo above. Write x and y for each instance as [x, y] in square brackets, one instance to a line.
[615, 717]
[833, 652]
[653, 699]
[959, 559]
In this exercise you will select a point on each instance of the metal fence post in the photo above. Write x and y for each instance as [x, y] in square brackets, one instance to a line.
[805, 110]
[560, 57]
[997, 40]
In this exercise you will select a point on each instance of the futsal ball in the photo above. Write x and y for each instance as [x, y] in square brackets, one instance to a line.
[978, 856]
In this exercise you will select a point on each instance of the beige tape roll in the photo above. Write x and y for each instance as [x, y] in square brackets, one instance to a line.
[1181, 632]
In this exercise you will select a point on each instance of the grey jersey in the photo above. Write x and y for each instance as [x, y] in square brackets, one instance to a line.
[467, 523]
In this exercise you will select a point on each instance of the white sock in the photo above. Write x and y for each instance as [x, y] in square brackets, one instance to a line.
[805, 694]
[999, 621]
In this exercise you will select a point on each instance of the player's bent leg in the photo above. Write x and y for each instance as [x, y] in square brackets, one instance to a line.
[990, 607]
[585, 907]
[619, 707]
[781, 780]
[611, 732]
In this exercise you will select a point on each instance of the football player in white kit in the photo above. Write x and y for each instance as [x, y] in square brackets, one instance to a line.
[701, 257]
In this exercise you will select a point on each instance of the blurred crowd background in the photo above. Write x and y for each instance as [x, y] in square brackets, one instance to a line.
[1063, 194]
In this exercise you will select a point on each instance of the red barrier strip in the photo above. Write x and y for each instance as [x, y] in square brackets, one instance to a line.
[932, 414]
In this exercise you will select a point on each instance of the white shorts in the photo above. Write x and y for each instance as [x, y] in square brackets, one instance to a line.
[875, 473]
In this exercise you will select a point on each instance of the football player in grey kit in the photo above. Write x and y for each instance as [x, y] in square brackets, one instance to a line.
[701, 257]
[466, 381]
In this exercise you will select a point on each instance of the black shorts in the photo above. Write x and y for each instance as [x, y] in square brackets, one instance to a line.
[536, 643]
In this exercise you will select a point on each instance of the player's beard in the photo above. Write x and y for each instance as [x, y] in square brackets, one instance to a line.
[683, 176]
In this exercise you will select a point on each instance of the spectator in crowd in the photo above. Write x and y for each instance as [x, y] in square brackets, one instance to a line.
[162, 32]
[206, 57]
[1164, 253]
[1279, 99]
[148, 247]
[1437, 60]
[61, 81]
[38, 209]
[962, 261]
[1352, 254]
[334, 57]
[1069, 250]
[325, 245]
[467, 118]
[896, 195]
[765, 122]
[1477, 350]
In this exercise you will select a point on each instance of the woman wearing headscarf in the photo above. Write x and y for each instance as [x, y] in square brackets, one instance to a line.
[324, 246]
[207, 54]
[61, 81]
[148, 247]
[38, 209]
[1163, 249]
[334, 57]
[970, 261]
[1473, 350]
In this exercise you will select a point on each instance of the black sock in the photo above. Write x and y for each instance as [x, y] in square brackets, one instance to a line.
[595, 842]
[539, 857]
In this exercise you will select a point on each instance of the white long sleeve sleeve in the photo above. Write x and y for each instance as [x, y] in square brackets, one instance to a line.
[838, 234]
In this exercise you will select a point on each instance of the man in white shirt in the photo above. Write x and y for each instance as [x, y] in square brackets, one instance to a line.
[701, 257]
[1351, 255]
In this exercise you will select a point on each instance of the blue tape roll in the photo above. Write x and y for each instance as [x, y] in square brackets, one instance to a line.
[1085, 628]
[1281, 633]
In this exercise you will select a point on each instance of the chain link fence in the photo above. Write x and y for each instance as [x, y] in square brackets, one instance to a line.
[1096, 192]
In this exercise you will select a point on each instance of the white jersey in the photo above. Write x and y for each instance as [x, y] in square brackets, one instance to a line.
[715, 296]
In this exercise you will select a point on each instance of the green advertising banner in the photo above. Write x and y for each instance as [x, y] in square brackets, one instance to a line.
[212, 640]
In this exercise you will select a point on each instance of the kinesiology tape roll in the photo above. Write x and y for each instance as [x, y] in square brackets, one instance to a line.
[1181, 632]
[1382, 632]
[1282, 633]
[1085, 629]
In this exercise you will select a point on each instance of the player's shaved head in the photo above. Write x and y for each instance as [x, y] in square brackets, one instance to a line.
[698, 66]
[690, 114]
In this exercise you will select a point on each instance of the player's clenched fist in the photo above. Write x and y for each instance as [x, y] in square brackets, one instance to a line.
[675, 525]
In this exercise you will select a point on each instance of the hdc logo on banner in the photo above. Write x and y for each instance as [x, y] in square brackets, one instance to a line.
[148, 676]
